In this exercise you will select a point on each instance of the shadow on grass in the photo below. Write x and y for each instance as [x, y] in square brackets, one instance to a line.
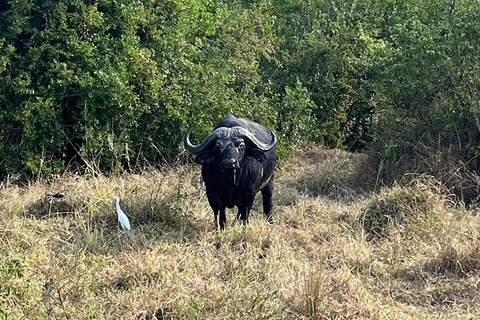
[52, 205]
[166, 215]
[427, 288]
[336, 175]
[95, 228]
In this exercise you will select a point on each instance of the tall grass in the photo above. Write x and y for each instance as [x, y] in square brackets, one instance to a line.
[336, 250]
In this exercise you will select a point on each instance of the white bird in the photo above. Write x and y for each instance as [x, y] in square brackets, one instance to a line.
[122, 217]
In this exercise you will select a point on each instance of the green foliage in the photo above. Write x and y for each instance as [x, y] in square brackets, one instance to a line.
[296, 119]
[117, 83]
[429, 77]
[10, 269]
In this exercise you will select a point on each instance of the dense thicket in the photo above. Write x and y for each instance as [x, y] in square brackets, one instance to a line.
[117, 82]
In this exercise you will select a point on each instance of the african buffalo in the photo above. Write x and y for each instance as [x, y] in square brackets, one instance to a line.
[238, 159]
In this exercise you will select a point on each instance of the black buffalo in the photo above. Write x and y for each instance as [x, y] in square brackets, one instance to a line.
[238, 160]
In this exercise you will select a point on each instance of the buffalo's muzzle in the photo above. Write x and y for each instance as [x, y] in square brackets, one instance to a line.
[230, 163]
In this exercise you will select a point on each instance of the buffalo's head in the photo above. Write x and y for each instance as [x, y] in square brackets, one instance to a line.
[228, 147]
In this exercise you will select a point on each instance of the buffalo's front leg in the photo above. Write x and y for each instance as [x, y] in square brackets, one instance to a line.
[220, 219]
[245, 207]
[218, 209]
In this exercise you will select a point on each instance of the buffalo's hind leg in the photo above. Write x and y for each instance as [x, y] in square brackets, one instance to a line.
[267, 195]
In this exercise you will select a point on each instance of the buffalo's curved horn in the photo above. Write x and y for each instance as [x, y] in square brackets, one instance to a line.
[242, 132]
[218, 133]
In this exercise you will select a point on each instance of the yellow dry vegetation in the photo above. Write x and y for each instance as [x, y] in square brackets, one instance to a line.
[340, 247]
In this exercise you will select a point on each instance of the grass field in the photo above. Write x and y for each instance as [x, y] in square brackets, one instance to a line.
[341, 247]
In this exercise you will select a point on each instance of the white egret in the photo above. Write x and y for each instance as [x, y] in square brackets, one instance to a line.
[122, 217]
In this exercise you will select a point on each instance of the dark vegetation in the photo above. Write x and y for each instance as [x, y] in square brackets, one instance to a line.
[115, 84]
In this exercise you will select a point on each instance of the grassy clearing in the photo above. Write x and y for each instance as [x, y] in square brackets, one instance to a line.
[336, 250]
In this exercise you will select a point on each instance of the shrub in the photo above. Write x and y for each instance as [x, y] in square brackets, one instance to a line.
[394, 207]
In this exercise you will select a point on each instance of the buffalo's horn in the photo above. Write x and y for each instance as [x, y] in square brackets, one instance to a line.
[218, 133]
[242, 132]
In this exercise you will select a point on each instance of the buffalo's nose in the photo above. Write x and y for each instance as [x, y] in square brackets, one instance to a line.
[229, 162]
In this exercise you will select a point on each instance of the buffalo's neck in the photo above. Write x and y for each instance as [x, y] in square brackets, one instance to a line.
[230, 177]
[231, 180]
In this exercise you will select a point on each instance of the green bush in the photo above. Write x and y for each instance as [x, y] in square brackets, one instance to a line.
[117, 83]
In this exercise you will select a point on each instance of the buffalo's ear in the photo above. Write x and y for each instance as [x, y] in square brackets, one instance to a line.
[257, 154]
[204, 157]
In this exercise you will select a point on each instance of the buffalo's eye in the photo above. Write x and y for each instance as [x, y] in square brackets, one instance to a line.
[240, 145]
[218, 145]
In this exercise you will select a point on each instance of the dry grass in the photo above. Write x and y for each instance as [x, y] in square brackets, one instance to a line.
[322, 258]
